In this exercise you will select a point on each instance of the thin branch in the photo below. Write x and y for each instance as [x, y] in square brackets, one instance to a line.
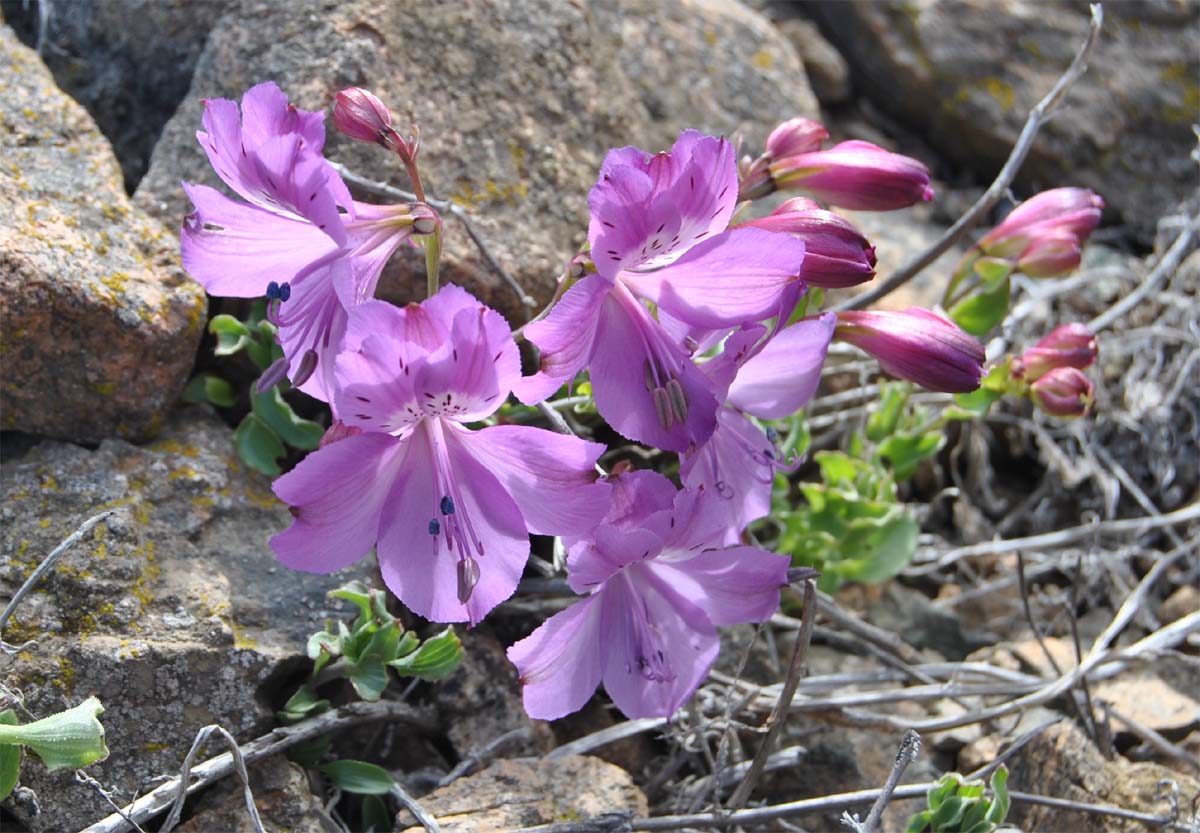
[612, 734]
[480, 756]
[1166, 267]
[185, 774]
[778, 717]
[413, 806]
[528, 302]
[47, 563]
[1154, 739]
[272, 743]
[910, 748]
[1065, 536]
[1038, 116]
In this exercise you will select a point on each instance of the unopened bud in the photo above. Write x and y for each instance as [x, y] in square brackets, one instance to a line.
[795, 136]
[1070, 213]
[1071, 345]
[1064, 392]
[916, 345]
[835, 252]
[1050, 256]
[425, 219]
[856, 175]
[362, 116]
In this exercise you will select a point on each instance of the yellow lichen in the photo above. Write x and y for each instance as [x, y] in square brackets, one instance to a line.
[763, 59]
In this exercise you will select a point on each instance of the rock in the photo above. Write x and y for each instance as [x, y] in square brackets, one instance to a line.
[173, 611]
[827, 70]
[514, 794]
[1061, 762]
[99, 323]
[482, 701]
[517, 104]
[281, 795]
[1185, 600]
[965, 73]
[128, 62]
[923, 625]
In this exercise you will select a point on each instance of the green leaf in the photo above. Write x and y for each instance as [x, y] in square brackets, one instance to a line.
[883, 421]
[919, 823]
[308, 753]
[67, 740]
[208, 387]
[375, 815]
[10, 758]
[992, 271]
[906, 451]
[259, 446]
[383, 643]
[369, 678]
[359, 777]
[973, 405]
[232, 335]
[947, 816]
[942, 789]
[271, 408]
[358, 594]
[302, 704]
[998, 812]
[976, 814]
[408, 643]
[437, 657]
[979, 312]
[892, 546]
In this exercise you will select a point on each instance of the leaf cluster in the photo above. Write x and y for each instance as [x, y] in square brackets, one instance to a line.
[956, 805]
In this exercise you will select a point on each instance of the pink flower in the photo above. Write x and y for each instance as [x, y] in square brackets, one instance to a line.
[1070, 214]
[448, 509]
[657, 585]
[764, 377]
[856, 175]
[1064, 392]
[659, 235]
[836, 255]
[359, 114]
[291, 230]
[916, 345]
[1070, 345]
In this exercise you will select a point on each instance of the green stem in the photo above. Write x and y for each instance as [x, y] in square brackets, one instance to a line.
[433, 258]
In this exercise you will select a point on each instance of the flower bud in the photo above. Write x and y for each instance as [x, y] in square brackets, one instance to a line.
[1065, 212]
[917, 345]
[363, 117]
[1064, 392]
[856, 175]
[67, 740]
[1050, 256]
[1071, 345]
[796, 136]
[835, 253]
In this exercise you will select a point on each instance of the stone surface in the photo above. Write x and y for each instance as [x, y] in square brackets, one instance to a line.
[129, 62]
[281, 794]
[99, 324]
[517, 104]
[173, 611]
[827, 70]
[482, 701]
[965, 73]
[513, 794]
[1062, 762]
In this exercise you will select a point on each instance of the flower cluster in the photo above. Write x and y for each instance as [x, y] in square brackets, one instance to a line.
[693, 328]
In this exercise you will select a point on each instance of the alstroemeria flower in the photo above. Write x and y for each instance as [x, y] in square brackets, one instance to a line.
[659, 234]
[449, 509]
[298, 227]
[768, 376]
[917, 345]
[836, 254]
[657, 588]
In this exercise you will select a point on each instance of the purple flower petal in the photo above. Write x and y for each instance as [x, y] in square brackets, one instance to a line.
[781, 378]
[419, 561]
[731, 586]
[659, 648]
[734, 278]
[610, 550]
[635, 373]
[561, 662]
[564, 338]
[336, 494]
[733, 466]
[234, 249]
[532, 464]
